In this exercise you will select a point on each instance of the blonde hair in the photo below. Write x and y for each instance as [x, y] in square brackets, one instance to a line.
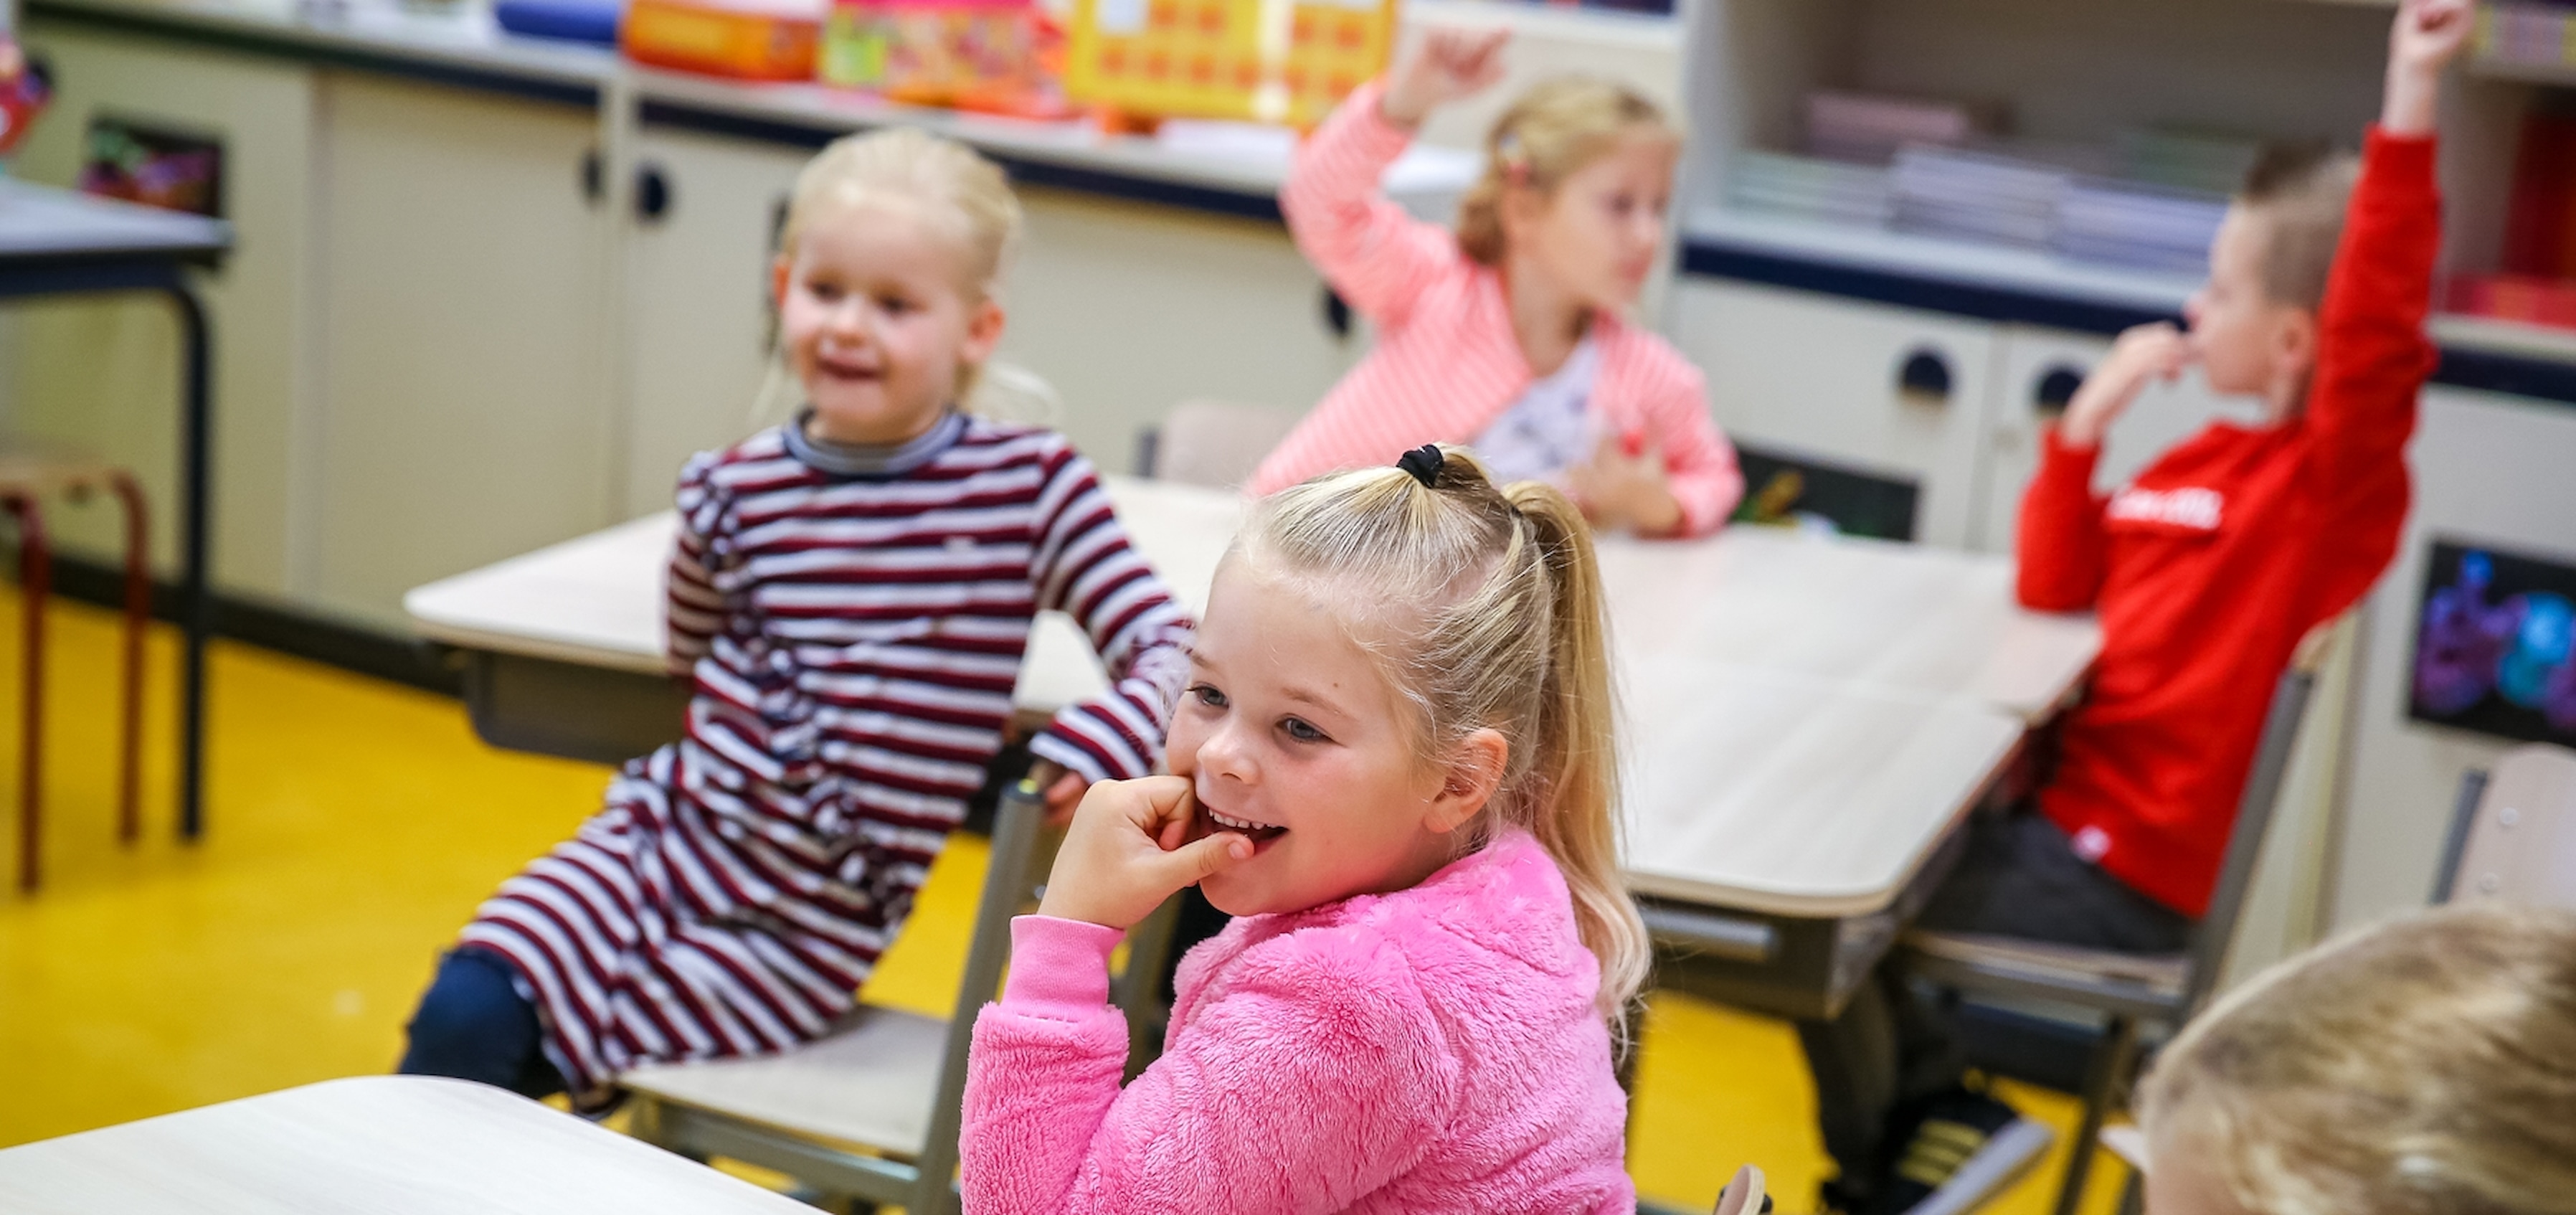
[2423, 1067]
[1484, 607]
[950, 186]
[1550, 133]
[2300, 192]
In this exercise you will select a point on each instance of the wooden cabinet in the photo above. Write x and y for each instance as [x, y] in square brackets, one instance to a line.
[1886, 391]
[698, 333]
[103, 374]
[465, 418]
[1130, 310]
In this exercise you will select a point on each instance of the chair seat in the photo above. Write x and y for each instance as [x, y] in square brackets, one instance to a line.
[2149, 985]
[869, 1081]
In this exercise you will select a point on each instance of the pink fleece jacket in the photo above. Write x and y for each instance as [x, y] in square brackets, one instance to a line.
[1446, 363]
[1434, 1049]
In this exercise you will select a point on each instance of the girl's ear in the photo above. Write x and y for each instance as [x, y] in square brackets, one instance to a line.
[778, 268]
[1519, 207]
[1474, 771]
[983, 331]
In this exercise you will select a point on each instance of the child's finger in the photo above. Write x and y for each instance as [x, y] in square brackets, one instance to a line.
[1203, 858]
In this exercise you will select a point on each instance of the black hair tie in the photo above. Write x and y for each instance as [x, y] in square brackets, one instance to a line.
[1424, 463]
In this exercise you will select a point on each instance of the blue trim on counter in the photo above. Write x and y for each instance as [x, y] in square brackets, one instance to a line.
[2528, 376]
[558, 92]
[1026, 171]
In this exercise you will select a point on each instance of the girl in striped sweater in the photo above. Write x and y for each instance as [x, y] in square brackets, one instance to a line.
[1510, 333]
[850, 598]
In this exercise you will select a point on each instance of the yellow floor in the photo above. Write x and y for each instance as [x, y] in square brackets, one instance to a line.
[354, 825]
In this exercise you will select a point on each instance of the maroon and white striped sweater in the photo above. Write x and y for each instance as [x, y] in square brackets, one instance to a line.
[853, 642]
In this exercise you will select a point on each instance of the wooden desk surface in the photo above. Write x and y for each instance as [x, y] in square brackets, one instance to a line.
[1793, 794]
[407, 1144]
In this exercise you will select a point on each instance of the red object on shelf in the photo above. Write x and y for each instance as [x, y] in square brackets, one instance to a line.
[2514, 297]
[2540, 219]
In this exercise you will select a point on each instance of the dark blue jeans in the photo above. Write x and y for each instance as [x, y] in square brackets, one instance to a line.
[472, 1025]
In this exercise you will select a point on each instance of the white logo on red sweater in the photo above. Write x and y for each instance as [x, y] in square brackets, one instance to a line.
[2191, 507]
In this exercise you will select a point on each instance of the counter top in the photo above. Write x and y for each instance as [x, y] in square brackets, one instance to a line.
[462, 45]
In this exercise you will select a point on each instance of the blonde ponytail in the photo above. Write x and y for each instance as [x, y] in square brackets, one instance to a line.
[1483, 605]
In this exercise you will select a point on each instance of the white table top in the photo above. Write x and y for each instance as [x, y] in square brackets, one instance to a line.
[47, 222]
[408, 1144]
[1804, 716]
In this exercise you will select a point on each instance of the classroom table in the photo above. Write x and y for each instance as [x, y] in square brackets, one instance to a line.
[57, 242]
[1808, 719]
[404, 1145]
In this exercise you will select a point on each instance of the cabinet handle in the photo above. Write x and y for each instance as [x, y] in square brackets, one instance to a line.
[1337, 314]
[594, 181]
[652, 193]
[1924, 377]
[2055, 389]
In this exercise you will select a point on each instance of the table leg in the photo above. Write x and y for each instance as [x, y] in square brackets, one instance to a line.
[196, 606]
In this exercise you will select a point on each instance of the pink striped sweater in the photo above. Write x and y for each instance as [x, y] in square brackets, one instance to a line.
[1447, 363]
[1430, 1050]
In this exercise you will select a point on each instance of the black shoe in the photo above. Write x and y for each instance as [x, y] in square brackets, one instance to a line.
[1947, 1133]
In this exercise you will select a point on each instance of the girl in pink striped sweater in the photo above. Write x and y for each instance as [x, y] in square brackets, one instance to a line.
[1509, 334]
[1394, 766]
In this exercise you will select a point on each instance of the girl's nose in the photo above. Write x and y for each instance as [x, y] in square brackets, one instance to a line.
[1224, 753]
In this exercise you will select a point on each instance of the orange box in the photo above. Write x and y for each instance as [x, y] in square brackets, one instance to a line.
[742, 39]
[1284, 61]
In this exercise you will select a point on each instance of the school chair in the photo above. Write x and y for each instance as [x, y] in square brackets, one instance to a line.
[870, 1112]
[2128, 990]
[27, 476]
[1217, 444]
[2513, 836]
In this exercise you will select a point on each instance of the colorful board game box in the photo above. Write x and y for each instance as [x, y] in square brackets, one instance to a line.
[1286, 61]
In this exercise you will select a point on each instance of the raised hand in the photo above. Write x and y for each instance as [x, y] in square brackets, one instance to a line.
[2425, 38]
[1130, 849]
[1449, 64]
[2148, 352]
[1617, 489]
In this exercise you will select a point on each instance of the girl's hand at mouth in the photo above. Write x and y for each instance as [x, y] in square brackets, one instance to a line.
[1130, 848]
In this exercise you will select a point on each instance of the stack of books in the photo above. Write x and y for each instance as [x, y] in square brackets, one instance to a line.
[2202, 161]
[2129, 224]
[1867, 129]
[2539, 33]
[1807, 187]
[1980, 196]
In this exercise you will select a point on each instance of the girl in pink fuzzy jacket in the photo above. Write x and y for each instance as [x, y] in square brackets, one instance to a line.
[1394, 766]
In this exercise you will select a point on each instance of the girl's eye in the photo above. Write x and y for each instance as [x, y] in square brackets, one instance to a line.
[1208, 696]
[895, 304]
[826, 292]
[1298, 728]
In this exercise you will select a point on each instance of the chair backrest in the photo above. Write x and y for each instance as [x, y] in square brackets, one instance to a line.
[2513, 839]
[1216, 443]
[1007, 882]
[2254, 813]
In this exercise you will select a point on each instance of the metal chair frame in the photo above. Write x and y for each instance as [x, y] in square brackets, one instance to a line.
[2128, 994]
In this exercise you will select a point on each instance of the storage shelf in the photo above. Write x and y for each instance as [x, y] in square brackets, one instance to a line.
[2559, 74]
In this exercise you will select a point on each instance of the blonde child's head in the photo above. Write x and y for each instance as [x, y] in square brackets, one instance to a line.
[2254, 323]
[1389, 674]
[2422, 1067]
[1577, 176]
[888, 280]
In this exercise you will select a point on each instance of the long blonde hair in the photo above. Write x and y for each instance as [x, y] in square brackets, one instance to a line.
[1550, 132]
[955, 189]
[1483, 605]
[2422, 1067]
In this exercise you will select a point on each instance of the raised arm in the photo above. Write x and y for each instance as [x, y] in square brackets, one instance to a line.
[1313, 1080]
[1086, 568]
[1376, 256]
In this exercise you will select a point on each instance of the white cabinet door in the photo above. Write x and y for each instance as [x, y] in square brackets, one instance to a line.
[1823, 378]
[1131, 308]
[697, 314]
[103, 375]
[2036, 369]
[464, 418]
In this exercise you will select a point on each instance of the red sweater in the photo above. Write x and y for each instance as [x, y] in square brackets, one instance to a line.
[2210, 566]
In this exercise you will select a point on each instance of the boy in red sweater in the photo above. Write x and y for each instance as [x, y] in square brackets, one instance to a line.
[2206, 571]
